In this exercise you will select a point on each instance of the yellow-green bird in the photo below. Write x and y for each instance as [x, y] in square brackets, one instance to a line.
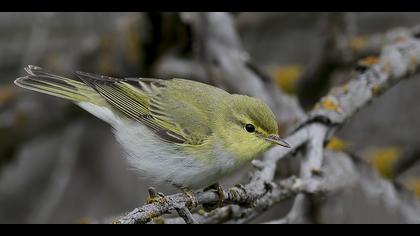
[183, 132]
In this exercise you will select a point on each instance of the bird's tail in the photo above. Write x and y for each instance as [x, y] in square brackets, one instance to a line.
[40, 80]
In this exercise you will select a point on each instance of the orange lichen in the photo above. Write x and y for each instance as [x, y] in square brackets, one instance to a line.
[329, 104]
[287, 76]
[336, 144]
[383, 160]
[369, 61]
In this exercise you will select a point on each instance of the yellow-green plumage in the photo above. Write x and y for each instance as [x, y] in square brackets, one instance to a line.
[191, 132]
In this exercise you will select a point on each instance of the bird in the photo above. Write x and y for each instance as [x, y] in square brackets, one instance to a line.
[182, 132]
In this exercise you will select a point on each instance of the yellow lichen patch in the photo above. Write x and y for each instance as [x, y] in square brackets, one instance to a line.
[336, 144]
[413, 185]
[376, 90]
[286, 77]
[329, 104]
[383, 160]
[158, 199]
[159, 220]
[7, 94]
[358, 43]
[201, 211]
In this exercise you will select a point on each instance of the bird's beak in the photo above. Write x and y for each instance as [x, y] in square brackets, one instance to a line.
[277, 140]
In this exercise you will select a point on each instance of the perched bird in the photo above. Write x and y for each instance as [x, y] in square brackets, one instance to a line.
[183, 132]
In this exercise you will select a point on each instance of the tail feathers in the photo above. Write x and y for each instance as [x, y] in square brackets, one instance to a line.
[43, 81]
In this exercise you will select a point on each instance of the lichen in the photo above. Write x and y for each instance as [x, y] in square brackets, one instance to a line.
[413, 184]
[357, 43]
[336, 144]
[201, 211]
[153, 200]
[286, 77]
[329, 104]
[369, 61]
[376, 90]
[383, 160]
[159, 220]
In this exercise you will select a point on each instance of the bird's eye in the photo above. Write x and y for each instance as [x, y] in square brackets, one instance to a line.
[250, 128]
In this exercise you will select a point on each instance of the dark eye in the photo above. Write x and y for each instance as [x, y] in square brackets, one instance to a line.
[250, 128]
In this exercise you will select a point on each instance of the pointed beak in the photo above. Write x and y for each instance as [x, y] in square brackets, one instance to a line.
[277, 140]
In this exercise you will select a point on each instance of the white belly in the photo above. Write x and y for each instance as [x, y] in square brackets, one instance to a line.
[160, 161]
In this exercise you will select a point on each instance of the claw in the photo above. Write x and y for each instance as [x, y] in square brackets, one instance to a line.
[219, 190]
[191, 195]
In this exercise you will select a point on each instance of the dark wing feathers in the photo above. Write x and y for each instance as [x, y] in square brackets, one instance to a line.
[133, 97]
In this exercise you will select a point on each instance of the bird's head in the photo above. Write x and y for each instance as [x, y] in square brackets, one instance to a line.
[247, 127]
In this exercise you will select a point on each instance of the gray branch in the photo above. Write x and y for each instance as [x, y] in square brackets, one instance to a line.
[399, 60]
[229, 65]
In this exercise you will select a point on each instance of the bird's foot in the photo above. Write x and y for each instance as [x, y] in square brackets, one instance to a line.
[193, 203]
[155, 197]
[219, 190]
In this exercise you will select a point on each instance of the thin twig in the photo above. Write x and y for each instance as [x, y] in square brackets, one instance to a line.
[186, 215]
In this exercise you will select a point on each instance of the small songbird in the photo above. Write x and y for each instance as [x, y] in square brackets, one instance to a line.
[183, 132]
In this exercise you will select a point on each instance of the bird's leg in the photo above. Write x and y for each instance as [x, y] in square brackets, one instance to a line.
[191, 195]
[155, 196]
[219, 190]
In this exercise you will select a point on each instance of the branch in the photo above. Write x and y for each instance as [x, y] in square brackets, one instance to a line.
[344, 172]
[259, 185]
[298, 213]
[229, 66]
[398, 61]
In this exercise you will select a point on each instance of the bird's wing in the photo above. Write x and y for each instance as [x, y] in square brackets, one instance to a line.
[144, 100]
